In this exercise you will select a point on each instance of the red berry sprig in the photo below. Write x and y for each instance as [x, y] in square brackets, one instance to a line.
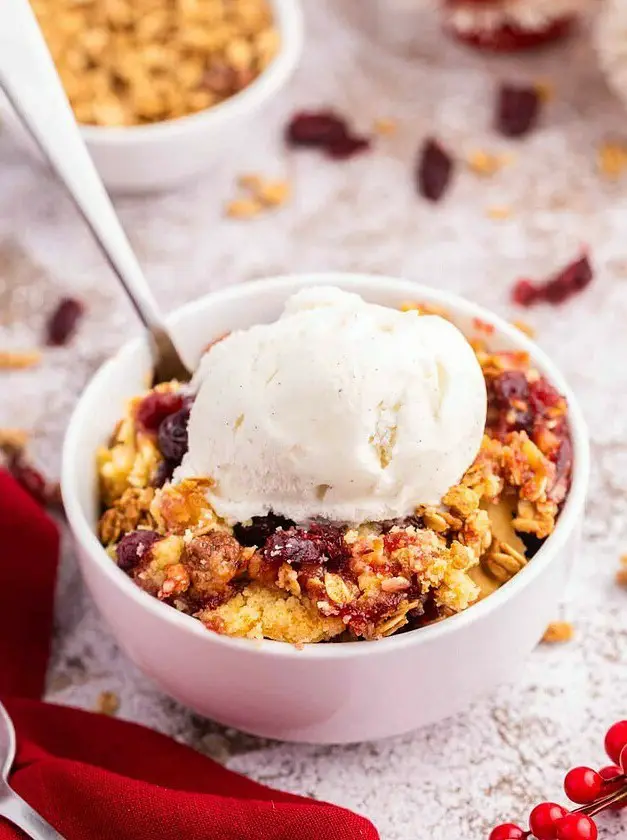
[594, 791]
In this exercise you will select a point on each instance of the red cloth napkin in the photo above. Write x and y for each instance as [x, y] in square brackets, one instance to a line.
[97, 777]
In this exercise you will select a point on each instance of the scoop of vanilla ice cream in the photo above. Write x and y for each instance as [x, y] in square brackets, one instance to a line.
[341, 409]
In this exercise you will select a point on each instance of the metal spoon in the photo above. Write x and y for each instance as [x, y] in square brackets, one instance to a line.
[12, 806]
[30, 81]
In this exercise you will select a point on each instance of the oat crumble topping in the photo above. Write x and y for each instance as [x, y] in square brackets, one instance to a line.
[273, 578]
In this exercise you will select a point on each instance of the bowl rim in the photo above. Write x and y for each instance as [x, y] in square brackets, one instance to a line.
[566, 523]
[289, 19]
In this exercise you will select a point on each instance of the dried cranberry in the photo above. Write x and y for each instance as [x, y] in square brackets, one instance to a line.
[260, 529]
[525, 293]
[347, 147]
[435, 167]
[572, 279]
[326, 131]
[63, 322]
[542, 396]
[163, 473]
[532, 543]
[316, 128]
[155, 407]
[132, 548]
[172, 436]
[517, 110]
[510, 385]
[303, 546]
[568, 282]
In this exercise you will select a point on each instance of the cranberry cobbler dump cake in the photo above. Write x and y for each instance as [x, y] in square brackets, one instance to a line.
[313, 578]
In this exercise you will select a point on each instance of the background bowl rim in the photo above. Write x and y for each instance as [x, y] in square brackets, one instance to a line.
[85, 535]
[289, 17]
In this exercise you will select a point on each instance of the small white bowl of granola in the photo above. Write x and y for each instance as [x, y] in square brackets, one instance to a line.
[162, 89]
[324, 630]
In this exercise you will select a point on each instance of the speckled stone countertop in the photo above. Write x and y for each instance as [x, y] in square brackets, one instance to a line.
[458, 778]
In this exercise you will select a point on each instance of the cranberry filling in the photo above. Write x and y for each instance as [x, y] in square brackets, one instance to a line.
[155, 407]
[133, 547]
[260, 529]
[172, 435]
[303, 546]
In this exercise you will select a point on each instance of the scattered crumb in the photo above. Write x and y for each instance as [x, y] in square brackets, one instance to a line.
[273, 193]
[483, 326]
[107, 703]
[525, 328]
[621, 574]
[385, 126]
[612, 160]
[499, 212]
[487, 163]
[558, 632]
[262, 194]
[18, 359]
[250, 181]
[545, 90]
[244, 208]
[13, 439]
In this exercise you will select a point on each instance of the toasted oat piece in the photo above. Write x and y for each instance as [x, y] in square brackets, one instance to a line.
[486, 163]
[612, 160]
[107, 703]
[129, 512]
[558, 632]
[385, 126]
[525, 328]
[499, 212]
[244, 208]
[12, 440]
[621, 574]
[18, 359]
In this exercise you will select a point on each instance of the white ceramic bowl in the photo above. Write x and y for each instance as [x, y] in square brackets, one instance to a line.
[325, 693]
[159, 156]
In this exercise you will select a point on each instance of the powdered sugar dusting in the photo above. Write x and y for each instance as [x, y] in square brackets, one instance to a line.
[456, 779]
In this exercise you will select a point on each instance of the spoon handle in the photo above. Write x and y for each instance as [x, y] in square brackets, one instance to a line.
[32, 86]
[14, 809]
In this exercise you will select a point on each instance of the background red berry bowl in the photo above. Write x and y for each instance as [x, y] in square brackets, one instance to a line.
[322, 693]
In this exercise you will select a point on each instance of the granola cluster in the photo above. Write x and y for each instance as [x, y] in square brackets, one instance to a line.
[277, 579]
[130, 62]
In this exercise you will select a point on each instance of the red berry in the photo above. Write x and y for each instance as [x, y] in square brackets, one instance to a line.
[615, 740]
[544, 818]
[613, 772]
[507, 831]
[583, 785]
[576, 827]
[608, 773]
